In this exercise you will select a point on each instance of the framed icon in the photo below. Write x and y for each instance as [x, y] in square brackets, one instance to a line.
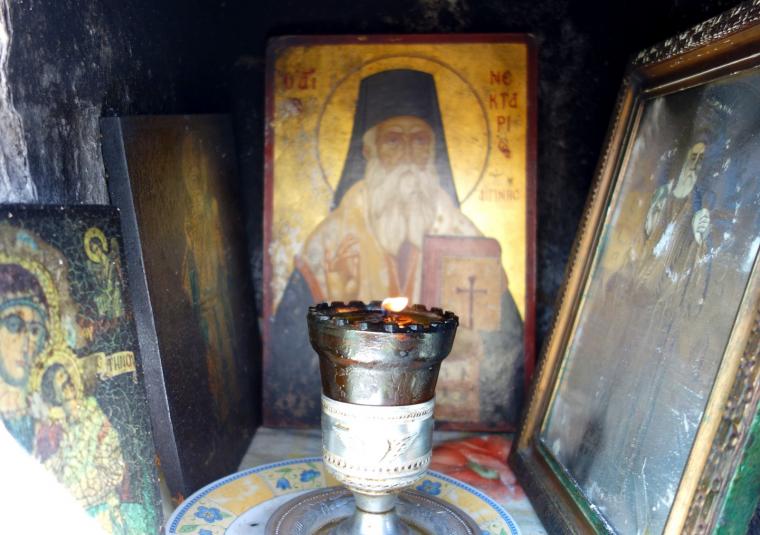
[174, 179]
[71, 377]
[645, 408]
[387, 157]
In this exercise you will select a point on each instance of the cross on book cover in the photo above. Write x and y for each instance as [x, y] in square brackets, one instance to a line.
[481, 379]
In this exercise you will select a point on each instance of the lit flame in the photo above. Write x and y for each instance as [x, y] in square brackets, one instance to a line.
[395, 304]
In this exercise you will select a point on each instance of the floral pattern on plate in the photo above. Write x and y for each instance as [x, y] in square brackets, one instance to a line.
[213, 508]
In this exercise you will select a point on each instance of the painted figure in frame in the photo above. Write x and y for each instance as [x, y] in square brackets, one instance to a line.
[174, 179]
[23, 337]
[105, 264]
[668, 280]
[83, 447]
[395, 193]
[205, 277]
[69, 389]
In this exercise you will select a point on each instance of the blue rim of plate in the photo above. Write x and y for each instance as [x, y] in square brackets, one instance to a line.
[178, 515]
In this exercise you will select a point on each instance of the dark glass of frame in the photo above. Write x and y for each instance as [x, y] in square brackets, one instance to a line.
[644, 412]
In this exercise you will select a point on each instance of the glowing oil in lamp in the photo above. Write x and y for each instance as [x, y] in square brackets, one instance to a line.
[392, 306]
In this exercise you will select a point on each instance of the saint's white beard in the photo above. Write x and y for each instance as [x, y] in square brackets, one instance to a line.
[402, 203]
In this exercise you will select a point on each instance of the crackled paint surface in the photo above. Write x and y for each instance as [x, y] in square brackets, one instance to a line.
[71, 390]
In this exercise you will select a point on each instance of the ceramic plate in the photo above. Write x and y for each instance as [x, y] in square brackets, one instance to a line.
[240, 504]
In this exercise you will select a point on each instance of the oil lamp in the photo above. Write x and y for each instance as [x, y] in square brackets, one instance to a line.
[379, 364]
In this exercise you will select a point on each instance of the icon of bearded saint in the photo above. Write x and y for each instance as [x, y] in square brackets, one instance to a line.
[395, 190]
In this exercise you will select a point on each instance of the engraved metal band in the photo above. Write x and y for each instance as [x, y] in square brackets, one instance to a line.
[375, 449]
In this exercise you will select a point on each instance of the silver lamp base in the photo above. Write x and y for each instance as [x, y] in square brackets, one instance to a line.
[333, 511]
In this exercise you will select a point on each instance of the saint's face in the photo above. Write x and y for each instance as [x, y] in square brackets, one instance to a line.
[690, 171]
[65, 392]
[99, 251]
[22, 337]
[404, 140]
[195, 176]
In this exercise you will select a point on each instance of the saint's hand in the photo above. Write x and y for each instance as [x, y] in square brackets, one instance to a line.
[700, 225]
[656, 207]
[342, 270]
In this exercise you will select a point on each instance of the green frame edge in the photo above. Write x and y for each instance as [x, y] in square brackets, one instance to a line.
[743, 491]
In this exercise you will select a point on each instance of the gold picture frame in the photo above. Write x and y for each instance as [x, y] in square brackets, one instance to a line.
[643, 417]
